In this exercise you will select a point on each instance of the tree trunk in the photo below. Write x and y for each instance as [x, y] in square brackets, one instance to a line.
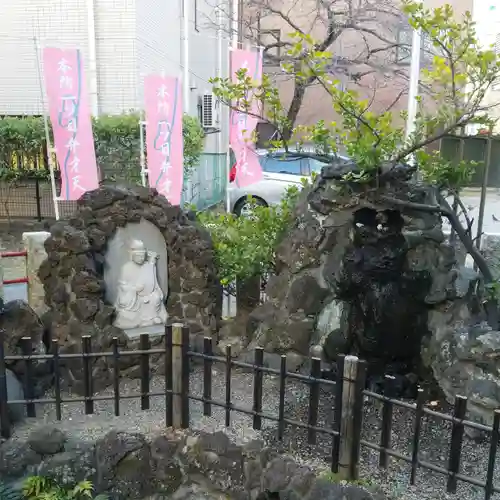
[299, 92]
[247, 295]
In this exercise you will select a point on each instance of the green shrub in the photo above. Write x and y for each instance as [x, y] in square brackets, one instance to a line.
[116, 139]
[42, 488]
[245, 247]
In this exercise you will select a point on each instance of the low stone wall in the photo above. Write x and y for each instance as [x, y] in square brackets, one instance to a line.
[176, 464]
[34, 244]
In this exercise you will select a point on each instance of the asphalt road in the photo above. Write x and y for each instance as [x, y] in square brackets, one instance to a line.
[471, 199]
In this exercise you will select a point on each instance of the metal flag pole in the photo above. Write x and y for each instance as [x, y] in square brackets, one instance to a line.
[185, 29]
[142, 124]
[414, 83]
[218, 137]
[234, 39]
[413, 91]
[50, 150]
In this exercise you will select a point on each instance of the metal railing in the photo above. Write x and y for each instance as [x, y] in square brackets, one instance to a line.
[349, 388]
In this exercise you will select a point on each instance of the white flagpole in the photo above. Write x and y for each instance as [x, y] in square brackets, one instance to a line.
[50, 150]
[234, 39]
[185, 29]
[414, 83]
[142, 124]
[234, 23]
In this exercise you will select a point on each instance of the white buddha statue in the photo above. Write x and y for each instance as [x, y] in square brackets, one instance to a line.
[139, 299]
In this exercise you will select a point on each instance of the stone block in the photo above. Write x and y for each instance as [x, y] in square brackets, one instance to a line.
[491, 251]
[33, 243]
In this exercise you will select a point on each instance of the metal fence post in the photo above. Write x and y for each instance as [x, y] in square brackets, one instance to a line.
[348, 418]
[185, 378]
[177, 375]
[38, 199]
[1, 284]
[5, 429]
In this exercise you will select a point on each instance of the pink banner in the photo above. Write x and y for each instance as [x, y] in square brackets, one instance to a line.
[243, 125]
[164, 135]
[71, 123]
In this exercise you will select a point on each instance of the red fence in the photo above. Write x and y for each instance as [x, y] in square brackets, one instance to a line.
[15, 281]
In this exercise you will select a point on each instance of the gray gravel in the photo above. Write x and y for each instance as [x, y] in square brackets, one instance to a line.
[395, 481]
[434, 446]
[434, 443]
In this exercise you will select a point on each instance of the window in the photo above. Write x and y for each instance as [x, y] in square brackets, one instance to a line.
[403, 51]
[282, 165]
[316, 165]
[271, 39]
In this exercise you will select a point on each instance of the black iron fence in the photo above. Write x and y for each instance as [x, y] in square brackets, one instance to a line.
[30, 199]
[349, 389]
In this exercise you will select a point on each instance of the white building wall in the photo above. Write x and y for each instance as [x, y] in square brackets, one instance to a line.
[486, 15]
[52, 22]
[132, 38]
[158, 39]
[116, 55]
[205, 59]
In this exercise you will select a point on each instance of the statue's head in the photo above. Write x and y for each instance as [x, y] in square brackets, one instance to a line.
[138, 252]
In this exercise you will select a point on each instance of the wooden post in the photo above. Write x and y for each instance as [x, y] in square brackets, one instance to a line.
[177, 375]
[347, 420]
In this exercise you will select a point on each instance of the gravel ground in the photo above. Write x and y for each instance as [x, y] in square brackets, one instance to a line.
[434, 446]
[434, 442]
[395, 481]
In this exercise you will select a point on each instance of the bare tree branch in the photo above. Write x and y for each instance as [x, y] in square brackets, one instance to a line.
[372, 21]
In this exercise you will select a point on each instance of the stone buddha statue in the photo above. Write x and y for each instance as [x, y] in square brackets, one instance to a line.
[139, 299]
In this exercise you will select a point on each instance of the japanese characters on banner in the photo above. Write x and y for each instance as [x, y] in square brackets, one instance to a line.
[243, 125]
[71, 123]
[164, 143]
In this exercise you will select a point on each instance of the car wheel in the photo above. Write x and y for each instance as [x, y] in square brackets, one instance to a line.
[244, 207]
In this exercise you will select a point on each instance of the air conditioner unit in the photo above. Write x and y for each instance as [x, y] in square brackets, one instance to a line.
[208, 110]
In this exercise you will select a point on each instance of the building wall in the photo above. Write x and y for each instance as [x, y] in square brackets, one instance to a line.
[208, 58]
[133, 38]
[487, 18]
[51, 22]
[116, 33]
[386, 86]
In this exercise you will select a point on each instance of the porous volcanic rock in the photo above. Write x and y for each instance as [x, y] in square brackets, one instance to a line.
[463, 353]
[358, 272]
[72, 275]
[178, 465]
[19, 321]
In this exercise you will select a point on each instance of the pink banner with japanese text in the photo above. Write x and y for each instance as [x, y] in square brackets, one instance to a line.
[243, 124]
[164, 144]
[69, 113]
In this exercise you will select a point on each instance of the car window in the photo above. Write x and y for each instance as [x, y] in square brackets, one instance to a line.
[281, 165]
[316, 165]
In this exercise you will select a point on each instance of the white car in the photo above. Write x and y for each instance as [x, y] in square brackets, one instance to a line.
[280, 171]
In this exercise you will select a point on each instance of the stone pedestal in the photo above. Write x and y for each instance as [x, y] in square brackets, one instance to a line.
[152, 331]
[33, 243]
